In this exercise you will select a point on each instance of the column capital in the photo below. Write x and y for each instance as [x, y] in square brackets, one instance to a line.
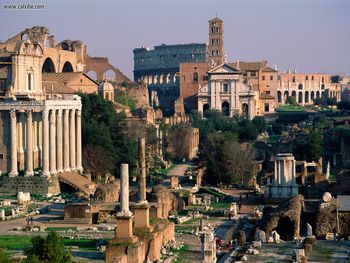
[59, 113]
[78, 113]
[13, 113]
[52, 116]
[28, 113]
[66, 113]
[45, 114]
[72, 112]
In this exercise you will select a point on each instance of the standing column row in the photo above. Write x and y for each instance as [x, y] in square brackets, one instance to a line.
[63, 137]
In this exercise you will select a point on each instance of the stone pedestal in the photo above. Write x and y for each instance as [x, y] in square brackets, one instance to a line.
[156, 211]
[141, 212]
[124, 231]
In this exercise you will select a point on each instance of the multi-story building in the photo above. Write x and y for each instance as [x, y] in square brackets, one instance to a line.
[158, 68]
[306, 87]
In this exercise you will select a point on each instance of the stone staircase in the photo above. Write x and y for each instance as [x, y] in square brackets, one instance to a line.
[78, 182]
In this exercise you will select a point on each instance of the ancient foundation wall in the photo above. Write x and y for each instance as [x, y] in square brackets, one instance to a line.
[33, 185]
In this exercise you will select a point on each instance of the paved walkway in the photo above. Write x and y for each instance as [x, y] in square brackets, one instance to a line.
[178, 170]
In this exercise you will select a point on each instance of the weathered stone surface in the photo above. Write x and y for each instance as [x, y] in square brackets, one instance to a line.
[108, 192]
[241, 238]
[260, 236]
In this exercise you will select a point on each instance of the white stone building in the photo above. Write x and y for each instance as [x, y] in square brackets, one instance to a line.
[283, 184]
[227, 92]
[36, 131]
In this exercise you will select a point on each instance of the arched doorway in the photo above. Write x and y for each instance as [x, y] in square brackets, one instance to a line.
[279, 96]
[312, 95]
[205, 107]
[306, 97]
[48, 66]
[294, 94]
[300, 97]
[285, 96]
[285, 228]
[317, 94]
[245, 109]
[225, 108]
[67, 67]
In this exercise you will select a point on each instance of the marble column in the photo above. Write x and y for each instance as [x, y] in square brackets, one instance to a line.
[72, 140]
[53, 142]
[124, 190]
[66, 141]
[78, 139]
[45, 147]
[29, 146]
[59, 145]
[142, 170]
[13, 121]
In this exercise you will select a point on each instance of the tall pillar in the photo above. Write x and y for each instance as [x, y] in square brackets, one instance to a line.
[53, 142]
[142, 170]
[59, 145]
[124, 190]
[72, 140]
[45, 150]
[78, 139]
[66, 141]
[13, 121]
[29, 146]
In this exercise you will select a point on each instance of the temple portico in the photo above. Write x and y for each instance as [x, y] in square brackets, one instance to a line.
[51, 127]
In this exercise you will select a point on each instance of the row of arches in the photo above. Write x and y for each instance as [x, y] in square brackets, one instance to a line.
[160, 79]
[302, 97]
[108, 75]
[49, 66]
[225, 108]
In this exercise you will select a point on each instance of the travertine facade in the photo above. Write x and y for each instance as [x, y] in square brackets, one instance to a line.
[226, 92]
[306, 87]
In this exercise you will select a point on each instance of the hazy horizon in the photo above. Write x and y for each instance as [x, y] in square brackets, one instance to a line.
[310, 36]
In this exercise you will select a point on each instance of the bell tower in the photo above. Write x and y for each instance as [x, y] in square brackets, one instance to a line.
[216, 41]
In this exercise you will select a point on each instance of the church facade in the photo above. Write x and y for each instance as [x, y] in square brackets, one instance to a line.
[225, 91]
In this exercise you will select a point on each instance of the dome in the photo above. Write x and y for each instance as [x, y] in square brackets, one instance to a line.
[105, 86]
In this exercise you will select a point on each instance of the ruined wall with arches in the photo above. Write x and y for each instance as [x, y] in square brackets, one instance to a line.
[306, 88]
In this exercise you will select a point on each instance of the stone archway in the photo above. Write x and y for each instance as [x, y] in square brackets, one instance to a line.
[279, 96]
[225, 108]
[67, 67]
[300, 97]
[48, 66]
[205, 107]
[294, 94]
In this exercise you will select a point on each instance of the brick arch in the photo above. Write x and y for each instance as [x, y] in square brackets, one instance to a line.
[100, 65]
[67, 67]
[48, 66]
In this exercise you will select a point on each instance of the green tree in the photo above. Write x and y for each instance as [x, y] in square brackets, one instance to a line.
[291, 100]
[4, 257]
[315, 146]
[259, 124]
[49, 249]
[226, 161]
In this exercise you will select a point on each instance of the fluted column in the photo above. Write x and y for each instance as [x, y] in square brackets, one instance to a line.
[53, 142]
[45, 147]
[59, 145]
[78, 139]
[72, 140]
[13, 121]
[66, 141]
[29, 146]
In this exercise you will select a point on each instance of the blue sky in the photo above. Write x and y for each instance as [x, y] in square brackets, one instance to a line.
[309, 35]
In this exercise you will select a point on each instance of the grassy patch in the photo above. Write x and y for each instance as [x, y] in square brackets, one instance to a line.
[191, 221]
[11, 197]
[273, 139]
[289, 108]
[181, 253]
[14, 242]
[221, 205]
[83, 244]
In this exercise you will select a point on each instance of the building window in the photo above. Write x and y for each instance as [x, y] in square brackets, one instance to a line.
[3, 84]
[266, 107]
[225, 87]
[307, 77]
[205, 78]
[253, 74]
[245, 73]
[271, 77]
[322, 79]
[312, 77]
[293, 80]
[195, 76]
[30, 81]
[263, 78]
[267, 92]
